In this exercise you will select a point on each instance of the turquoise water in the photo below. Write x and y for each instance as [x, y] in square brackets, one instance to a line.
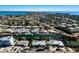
[27, 12]
[14, 13]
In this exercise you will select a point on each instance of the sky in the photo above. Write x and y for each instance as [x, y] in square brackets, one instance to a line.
[39, 7]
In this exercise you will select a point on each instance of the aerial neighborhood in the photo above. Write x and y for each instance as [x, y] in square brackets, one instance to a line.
[39, 32]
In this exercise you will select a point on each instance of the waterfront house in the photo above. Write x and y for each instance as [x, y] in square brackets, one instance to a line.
[6, 41]
[43, 31]
[51, 31]
[23, 43]
[27, 31]
[39, 43]
[35, 31]
[55, 43]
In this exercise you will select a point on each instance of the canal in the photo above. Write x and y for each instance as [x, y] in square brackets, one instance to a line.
[34, 36]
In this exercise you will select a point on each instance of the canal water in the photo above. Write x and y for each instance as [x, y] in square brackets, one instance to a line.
[46, 36]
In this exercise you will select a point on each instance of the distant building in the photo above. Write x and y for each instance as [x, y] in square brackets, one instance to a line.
[22, 30]
[1, 29]
[16, 22]
[77, 28]
[52, 31]
[69, 25]
[63, 25]
[74, 21]
[72, 29]
[75, 25]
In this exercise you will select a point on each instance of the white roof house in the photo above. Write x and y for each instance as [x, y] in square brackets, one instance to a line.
[9, 30]
[69, 25]
[74, 21]
[43, 31]
[55, 42]
[62, 25]
[35, 26]
[1, 25]
[52, 31]
[75, 24]
[36, 30]
[77, 28]
[1, 29]
[41, 43]
[9, 40]
[24, 43]
[28, 26]
[25, 30]
[20, 30]
[14, 26]
[72, 29]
